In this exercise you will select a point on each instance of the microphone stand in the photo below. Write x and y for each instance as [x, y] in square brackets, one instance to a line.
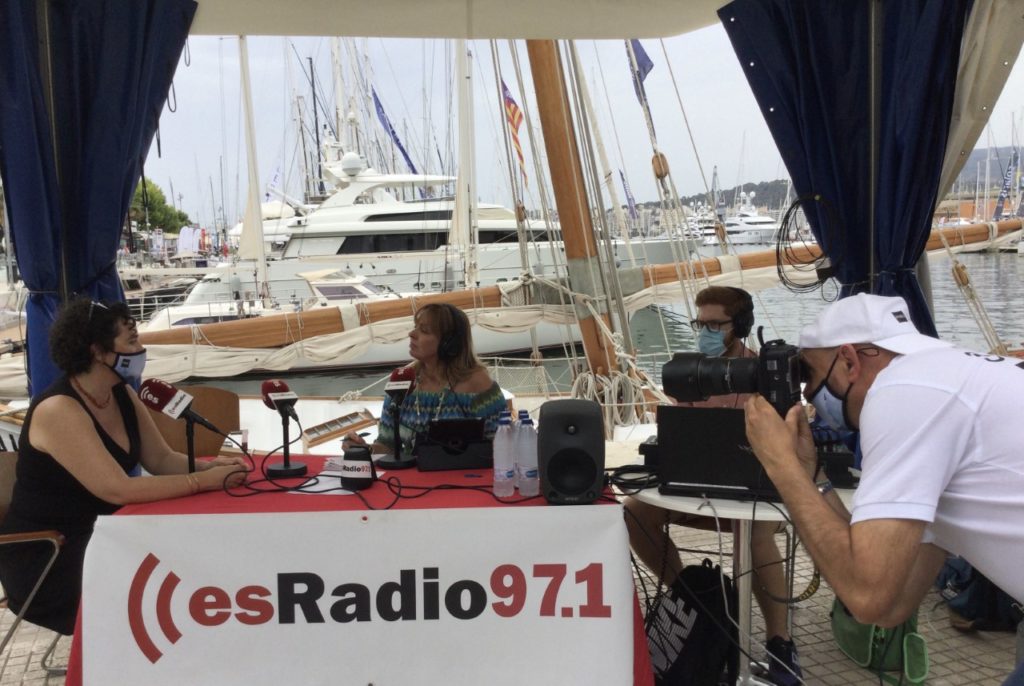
[396, 461]
[190, 443]
[286, 468]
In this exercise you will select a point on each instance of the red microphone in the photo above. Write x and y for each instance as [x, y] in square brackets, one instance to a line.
[161, 396]
[401, 383]
[277, 396]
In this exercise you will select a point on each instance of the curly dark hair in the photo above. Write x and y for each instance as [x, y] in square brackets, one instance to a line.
[80, 324]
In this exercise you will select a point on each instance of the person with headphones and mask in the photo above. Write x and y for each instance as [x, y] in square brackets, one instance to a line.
[450, 381]
[725, 317]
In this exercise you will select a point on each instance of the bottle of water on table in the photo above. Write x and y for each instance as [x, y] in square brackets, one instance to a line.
[527, 477]
[517, 423]
[504, 457]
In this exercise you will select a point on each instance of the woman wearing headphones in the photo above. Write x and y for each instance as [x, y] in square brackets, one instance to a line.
[725, 317]
[450, 381]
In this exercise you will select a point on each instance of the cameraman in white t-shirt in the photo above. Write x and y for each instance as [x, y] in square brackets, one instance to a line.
[943, 458]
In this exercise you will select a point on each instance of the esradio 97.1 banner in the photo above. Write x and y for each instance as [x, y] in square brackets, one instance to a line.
[452, 596]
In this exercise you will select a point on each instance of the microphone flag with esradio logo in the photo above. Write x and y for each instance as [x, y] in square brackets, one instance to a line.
[277, 396]
[163, 397]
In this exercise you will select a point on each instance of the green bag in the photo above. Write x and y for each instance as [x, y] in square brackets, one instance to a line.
[899, 649]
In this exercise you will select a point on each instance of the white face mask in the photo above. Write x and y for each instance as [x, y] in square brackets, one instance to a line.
[830, 407]
[129, 366]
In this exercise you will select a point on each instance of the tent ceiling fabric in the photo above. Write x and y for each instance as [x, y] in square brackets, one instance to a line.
[580, 19]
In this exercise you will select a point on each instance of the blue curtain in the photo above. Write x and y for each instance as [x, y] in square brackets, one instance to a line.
[808, 66]
[68, 189]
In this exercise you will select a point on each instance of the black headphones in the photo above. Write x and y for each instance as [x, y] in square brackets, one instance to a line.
[743, 320]
[450, 346]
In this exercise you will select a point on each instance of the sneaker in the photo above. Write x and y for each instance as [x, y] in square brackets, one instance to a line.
[783, 662]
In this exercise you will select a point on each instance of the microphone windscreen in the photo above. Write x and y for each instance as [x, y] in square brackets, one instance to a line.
[155, 394]
[404, 377]
[163, 397]
[272, 386]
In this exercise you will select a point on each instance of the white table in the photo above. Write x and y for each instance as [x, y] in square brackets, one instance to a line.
[744, 513]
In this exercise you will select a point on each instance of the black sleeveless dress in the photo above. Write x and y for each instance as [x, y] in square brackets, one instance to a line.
[46, 496]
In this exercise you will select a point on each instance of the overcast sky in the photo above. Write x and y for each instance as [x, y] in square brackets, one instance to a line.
[202, 145]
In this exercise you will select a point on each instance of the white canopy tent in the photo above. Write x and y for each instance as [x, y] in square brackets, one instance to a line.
[455, 18]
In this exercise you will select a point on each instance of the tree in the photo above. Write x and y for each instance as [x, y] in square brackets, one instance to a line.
[160, 214]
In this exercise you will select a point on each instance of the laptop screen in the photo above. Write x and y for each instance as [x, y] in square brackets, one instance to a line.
[704, 451]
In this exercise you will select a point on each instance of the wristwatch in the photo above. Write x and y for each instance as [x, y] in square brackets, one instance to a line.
[824, 486]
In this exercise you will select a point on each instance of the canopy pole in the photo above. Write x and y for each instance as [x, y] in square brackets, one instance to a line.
[876, 19]
[570, 196]
[46, 69]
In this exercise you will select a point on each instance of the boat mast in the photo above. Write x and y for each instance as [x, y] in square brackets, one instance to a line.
[464, 224]
[251, 246]
[340, 114]
[320, 190]
[570, 194]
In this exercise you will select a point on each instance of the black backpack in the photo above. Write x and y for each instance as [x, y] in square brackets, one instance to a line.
[691, 635]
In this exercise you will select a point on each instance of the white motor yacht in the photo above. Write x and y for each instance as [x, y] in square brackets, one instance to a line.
[407, 245]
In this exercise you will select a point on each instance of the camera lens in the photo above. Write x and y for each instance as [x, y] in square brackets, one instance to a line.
[689, 377]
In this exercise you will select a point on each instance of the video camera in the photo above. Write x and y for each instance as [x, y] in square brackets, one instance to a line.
[775, 374]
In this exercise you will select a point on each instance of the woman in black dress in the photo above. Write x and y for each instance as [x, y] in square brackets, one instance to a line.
[80, 441]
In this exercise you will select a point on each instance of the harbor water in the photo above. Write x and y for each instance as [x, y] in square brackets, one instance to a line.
[997, 279]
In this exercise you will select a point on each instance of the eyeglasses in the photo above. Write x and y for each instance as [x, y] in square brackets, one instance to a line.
[805, 368]
[712, 325]
[95, 304]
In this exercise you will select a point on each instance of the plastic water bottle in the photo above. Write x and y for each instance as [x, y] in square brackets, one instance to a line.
[527, 478]
[516, 431]
[504, 457]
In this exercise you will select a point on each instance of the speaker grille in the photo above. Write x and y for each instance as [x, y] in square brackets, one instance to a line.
[572, 471]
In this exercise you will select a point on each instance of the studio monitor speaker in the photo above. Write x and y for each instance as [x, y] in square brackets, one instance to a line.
[570, 451]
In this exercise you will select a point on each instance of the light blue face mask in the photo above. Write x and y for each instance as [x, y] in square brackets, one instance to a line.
[129, 366]
[711, 343]
[830, 407]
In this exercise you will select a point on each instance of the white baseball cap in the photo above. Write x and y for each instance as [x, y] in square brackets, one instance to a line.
[864, 318]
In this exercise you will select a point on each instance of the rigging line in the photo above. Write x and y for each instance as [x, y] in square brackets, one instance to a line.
[625, 175]
[496, 135]
[520, 213]
[661, 185]
[686, 121]
[610, 274]
[557, 262]
[576, 111]
[401, 91]
[605, 178]
[974, 302]
[618, 144]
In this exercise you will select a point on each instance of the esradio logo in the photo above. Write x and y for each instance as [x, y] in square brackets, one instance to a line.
[147, 396]
[542, 590]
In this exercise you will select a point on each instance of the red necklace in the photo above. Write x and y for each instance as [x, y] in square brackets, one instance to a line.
[99, 405]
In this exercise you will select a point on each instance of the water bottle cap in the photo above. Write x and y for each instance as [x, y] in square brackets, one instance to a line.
[523, 414]
[527, 421]
[505, 419]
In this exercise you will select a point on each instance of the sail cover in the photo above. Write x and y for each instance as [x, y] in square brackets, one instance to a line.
[808, 65]
[69, 186]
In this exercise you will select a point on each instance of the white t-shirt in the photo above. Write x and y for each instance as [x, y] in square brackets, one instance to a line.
[942, 436]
